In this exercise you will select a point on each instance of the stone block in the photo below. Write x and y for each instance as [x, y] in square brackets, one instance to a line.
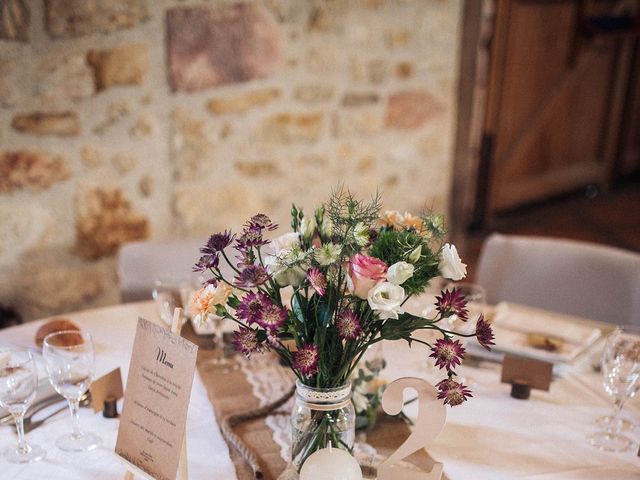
[144, 126]
[64, 78]
[258, 168]
[14, 20]
[52, 287]
[357, 123]
[191, 145]
[126, 64]
[91, 156]
[105, 220]
[76, 18]
[243, 102]
[62, 124]
[377, 71]
[288, 128]
[8, 83]
[397, 37]
[314, 93]
[411, 109]
[211, 46]
[124, 162]
[33, 170]
[358, 99]
[404, 69]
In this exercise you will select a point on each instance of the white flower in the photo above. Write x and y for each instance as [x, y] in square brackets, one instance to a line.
[326, 229]
[414, 256]
[327, 254]
[361, 234]
[385, 299]
[400, 272]
[285, 242]
[450, 264]
[307, 227]
[360, 400]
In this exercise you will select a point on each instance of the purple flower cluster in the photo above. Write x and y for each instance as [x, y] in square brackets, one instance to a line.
[348, 325]
[452, 392]
[210, 258]
[448, 353]
[452, 302]
[245, 340]
[305, 360]
[258, 308]
[484, 333]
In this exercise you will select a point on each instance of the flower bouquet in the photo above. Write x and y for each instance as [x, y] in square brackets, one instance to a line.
[350, 271]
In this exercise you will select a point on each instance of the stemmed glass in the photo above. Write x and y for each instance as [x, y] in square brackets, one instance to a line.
[168, 294]
[621, 374]
[69, 356]
[18, 383]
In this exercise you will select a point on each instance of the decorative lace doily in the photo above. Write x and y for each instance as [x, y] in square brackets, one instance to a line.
[270, 381]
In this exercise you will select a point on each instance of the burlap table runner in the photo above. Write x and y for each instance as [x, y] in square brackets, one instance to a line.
[231, 393]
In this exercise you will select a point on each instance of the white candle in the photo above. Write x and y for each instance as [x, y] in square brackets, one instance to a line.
[330, 464]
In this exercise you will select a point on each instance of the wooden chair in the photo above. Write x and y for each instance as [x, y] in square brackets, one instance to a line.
[577, 278]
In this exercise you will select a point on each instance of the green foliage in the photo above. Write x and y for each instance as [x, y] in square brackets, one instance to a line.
[393, 246]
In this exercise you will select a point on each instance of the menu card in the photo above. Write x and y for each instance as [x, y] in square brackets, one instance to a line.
[156, 400]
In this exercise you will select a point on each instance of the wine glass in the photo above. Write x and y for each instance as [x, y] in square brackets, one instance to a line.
[69, 356]
[18, 383]
[621, 379]
[168, 294]
[226, 356]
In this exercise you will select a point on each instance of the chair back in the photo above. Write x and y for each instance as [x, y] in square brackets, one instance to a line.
[577, 278]
[140, 264]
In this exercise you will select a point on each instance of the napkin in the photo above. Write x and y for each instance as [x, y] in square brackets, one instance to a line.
[525, 331]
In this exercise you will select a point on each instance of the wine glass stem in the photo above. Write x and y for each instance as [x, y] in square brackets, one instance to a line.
[74, 405]
[614, 425]
[23, 448]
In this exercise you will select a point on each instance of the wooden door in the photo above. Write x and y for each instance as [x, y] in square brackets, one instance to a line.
[554, 103]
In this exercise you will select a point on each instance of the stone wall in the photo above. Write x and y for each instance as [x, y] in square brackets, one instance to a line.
[130, 119]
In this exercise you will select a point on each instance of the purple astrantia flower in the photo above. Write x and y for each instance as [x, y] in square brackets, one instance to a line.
[452, 392]
[317, 280]
[447, 353]
[348, 325]
[260, 220]
[251, 306]
[484, 333]
[206, 262]
[245, 340]
[273, 316]
[252, 276]
[217, 242]
[452, 302]
[305, 360]
[251, 237]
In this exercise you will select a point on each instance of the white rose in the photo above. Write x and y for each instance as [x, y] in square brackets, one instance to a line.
[385, 299]
[285, 242]
[288, 266]
[400, 272]
[450, 264]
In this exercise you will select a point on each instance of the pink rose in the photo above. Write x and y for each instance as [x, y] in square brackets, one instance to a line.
[365, 273]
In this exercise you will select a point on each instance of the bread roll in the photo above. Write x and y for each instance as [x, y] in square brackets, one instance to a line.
[56, 325]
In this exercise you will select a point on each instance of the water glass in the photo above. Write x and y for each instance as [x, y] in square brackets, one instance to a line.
[69, 356]
[620, 366]
[18, 384]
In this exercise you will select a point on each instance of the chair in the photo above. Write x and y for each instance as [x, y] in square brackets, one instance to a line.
[577, 278]
[140, 264]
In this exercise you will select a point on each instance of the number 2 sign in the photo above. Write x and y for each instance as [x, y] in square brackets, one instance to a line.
[431, 418]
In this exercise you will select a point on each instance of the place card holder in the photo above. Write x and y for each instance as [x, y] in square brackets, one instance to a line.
[183, 470]
[524, 374]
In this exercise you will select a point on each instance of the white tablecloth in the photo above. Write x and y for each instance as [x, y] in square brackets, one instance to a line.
[113, 330]
[492, 436]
